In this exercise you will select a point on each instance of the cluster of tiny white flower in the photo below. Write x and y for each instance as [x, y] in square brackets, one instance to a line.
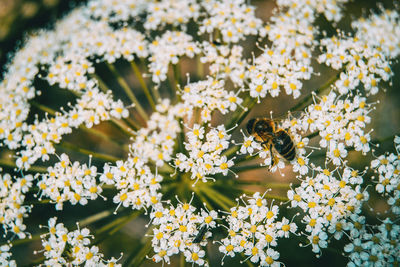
[12, 208]
[381, 31]
[205, 153]
[387, 167]
[166, 49]
[374, 245]
[177, 229]
[62, 247]
[288, 60]
[364, 58]
[328, 203]
[332, 9]
[225, 62]
[116, 11]
[5, 255]
[339, 122]
[209, 95]
[254, 229]
[173, 12]
[67, 181]
[234, 20]
[362, 63]
[39, 138]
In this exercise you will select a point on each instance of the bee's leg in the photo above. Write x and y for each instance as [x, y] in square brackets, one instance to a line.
[268, 144]
[272, 155]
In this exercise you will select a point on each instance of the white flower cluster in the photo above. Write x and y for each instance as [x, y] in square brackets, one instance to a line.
[254, 230]
[205, 155]
[39, 138]
[233, 19]
[332, 9]
[62, 247]
[340, 123]
[288, 60]
[137, 183]
[12, 208]
[328, 203]
[273, 70]
[209, 95]
[374, 245]
[115, 11]
[166, 49]
[363, 64]
[5, 255]
[225, 62]
[387, 167]
[173, 12]
[380, 31]
[366, 56]
[67, 181]
[176, 231]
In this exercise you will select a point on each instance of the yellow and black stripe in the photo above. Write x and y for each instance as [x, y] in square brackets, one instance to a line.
[284, 145]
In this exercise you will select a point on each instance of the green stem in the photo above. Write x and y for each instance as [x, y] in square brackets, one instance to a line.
[114, 226]
[104, 137]
[154, 91]
[203, 198]
[96, 217]
[121, 81]
[89, 130]
[182, 260]
[122, 127]
[312, 135]
[237, 169]
[43, 107]
[10, 164]
[268, 185]
[212, 197]
[70, 146]
[84, 222]
[102, 85]
[138, 256]
[143, 84]
[304, 102]
[230, 152]
[181, 138]
[200, 67]
[239, 116]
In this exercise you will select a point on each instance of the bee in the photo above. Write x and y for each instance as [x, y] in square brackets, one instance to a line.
[265, 131]
[199, 237]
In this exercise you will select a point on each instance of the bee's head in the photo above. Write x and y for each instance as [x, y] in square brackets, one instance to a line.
[250, 126]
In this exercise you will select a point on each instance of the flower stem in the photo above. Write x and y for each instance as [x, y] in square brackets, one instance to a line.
[238, 169]
[122, 127]
[143, 84]
[239, 116]
[268, 185]
[10, 164]
[200, 67]
[43, 108]
[83, 128]
[304, 102]
[103, 87]
[121, 81]
[70, 146]
[115, 225]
